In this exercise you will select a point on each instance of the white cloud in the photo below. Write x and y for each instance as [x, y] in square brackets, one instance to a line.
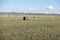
[28, 9]
[50, 7]
[31, 9]
[46, 12]
[21, 9]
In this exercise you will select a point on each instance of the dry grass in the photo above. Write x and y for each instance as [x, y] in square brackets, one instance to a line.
[35, 28]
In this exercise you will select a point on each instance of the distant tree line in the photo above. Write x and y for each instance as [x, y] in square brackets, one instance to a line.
[16, 13]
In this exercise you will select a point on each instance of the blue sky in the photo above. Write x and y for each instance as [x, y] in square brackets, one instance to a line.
[45, 6]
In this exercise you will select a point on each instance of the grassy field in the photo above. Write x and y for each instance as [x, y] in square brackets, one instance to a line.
[35, 28]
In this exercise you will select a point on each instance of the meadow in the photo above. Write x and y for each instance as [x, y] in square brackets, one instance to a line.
[34, 28]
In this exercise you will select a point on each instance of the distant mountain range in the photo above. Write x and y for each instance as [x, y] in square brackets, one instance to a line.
[17, 13]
